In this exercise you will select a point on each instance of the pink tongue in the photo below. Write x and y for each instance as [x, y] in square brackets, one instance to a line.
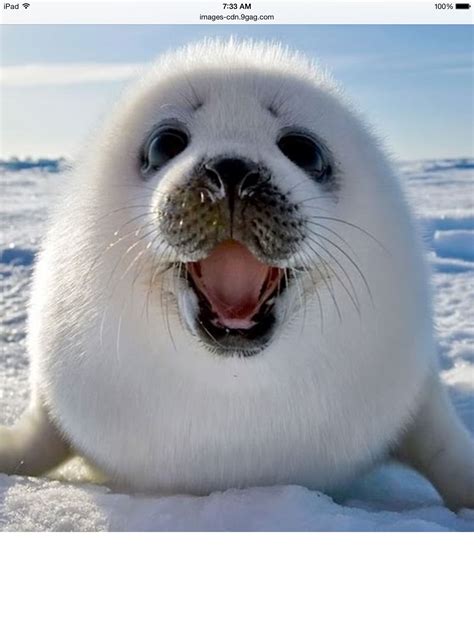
[232, 280]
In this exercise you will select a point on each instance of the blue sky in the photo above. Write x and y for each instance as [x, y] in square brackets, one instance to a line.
[414, 83]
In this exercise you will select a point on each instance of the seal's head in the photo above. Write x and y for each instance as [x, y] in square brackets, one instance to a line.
[242, 181]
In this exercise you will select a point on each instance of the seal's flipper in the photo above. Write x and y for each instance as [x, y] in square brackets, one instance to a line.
[441, 448]
[33, 446]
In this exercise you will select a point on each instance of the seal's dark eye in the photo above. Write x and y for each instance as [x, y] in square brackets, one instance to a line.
[162, 147]
[304, 152]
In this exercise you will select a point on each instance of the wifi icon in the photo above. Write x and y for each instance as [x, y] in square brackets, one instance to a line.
[25, 5]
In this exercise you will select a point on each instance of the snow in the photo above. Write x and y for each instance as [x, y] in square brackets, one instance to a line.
[389, 498]
[454, 243]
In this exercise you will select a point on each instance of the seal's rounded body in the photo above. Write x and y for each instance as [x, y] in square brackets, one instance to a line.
[192, 329]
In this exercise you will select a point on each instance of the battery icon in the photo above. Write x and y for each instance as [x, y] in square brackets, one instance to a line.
[463, 6]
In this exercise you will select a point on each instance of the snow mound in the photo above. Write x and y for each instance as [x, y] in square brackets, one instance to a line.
[455, 243]
[36, 504]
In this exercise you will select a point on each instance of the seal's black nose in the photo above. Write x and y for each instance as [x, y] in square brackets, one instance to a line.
[232, 174]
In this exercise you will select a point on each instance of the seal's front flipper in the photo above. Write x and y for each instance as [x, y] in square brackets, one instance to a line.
[441, 448]
[33, 446]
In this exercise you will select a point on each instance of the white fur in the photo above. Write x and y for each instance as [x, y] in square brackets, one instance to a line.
[125, 381]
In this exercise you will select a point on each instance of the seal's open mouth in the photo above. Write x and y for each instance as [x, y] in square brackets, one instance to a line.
[236, 294]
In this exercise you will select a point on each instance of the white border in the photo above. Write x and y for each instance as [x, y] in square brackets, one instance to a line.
[188, 12]
[231, 582]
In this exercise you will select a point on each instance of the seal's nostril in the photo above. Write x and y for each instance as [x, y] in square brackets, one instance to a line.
[231, 173]
[213, 176]
[250, 181]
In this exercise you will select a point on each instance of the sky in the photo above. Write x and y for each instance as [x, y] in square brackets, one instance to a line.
[414, 84]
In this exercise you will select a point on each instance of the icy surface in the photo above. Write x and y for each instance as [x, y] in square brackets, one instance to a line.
[389, 498]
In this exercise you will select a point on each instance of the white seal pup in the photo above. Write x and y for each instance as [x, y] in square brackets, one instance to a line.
[232, 293]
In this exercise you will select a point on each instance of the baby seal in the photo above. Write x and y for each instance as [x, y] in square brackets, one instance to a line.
[232, 293]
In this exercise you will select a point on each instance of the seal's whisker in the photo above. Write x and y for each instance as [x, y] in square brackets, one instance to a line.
[139, 269]
[92, 267]
[327, 272]
[153, 269]
[210, 334]
[325, 280]
[127, 207]
[317, 197]
[308, 272]
[157, 264]
[168, 279]
[119, 330]
[333, 232]
[135, 218]
[352, 225]
[174, 274]
[351, 260]
[197, 99]
[302, 297]
[102, 254]
[164, 304]
[147, 293]
[139, 202]
[134, 231]
[353, 297]
[287, 308]
[140, 185]
[323, 196]
[125, 253]
[298, 184]
[279, 100]
[132, 263]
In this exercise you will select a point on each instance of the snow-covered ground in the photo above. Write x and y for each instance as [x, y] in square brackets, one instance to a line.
[389, 498]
